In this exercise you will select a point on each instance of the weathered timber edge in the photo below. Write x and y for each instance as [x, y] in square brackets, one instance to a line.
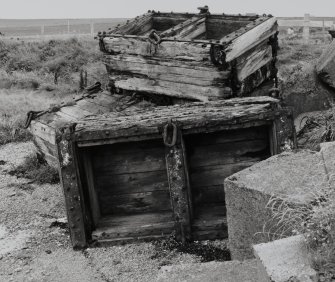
[190, 119]
[71, 183]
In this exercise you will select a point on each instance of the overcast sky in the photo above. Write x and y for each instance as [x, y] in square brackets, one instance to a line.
[46, 9]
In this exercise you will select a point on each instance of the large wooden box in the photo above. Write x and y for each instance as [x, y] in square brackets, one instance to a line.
[199, 57]
[161, 172]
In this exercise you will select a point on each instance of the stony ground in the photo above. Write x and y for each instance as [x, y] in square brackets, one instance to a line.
[34, 244]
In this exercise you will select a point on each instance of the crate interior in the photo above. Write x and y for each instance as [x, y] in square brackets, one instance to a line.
[131, 190]
[216, 26]
[211, 158]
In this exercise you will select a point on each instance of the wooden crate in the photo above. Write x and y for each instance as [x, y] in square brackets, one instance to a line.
[199, 57]
[160, 172]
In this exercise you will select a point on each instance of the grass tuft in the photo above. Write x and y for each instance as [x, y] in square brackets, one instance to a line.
[35, 168]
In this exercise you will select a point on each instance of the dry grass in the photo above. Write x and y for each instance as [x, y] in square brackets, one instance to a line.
[36, 169]
[14, 105]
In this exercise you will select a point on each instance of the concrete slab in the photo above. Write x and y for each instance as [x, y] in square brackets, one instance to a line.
[285, 260]
[230, 271]
[293, 176]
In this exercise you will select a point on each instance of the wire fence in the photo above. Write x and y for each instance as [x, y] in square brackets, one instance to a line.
[65, 29]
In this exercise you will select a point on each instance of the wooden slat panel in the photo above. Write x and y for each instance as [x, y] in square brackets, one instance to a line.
[206, 195]
[177, 71]
[173, 89]
[155, 201]
[132, 183]
[251, 39]
[43, 131]
[224, 137]
[253, 60]
[134, 226]
[215, 175]
[230, 153]
[75, 112]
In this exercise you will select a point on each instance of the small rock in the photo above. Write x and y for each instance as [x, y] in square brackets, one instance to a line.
[2, 162]
[12, 194]
[18, 269]
[48, 252]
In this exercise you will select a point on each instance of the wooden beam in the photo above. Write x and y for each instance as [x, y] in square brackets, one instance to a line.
[250, 39]
[179, 190]
[190, 29]
[71, 183]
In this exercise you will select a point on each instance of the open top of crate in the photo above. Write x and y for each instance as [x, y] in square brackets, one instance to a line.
[195, 56]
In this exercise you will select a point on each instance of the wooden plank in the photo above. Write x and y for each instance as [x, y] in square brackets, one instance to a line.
[178, 186]
[253, 60]
[144, 202]
[169, 70]
[43, 131]
[149, 229]
[251, 39]
[190, 51]
[45, 147]
[119, 184]
[75, 112]
[188, 29]
[142, 225]
[173, 89]
[119, 160]
[191, 118]
[72, 188]
[205, 195]
[215, 175]
[230, 153]
[135, 26]
[91, 187]
[224, 137]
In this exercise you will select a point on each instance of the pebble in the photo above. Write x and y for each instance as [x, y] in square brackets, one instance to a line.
[48, 252]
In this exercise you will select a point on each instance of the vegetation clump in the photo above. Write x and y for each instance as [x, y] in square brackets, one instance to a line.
[36, 168]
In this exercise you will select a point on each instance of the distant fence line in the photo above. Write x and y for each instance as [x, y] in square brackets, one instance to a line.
[307, 23]
[92, 28]
[89, 29]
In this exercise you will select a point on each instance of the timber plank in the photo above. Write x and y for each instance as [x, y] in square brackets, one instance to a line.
[119, 184]
[208, 117]
[251, 39]
[144, 202]
[215, 175]
[134, 226]
[253, 60]
[173, 89]
[230, 153]
[43, 131]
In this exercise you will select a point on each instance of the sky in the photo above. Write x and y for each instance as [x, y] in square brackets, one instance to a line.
[51, 9]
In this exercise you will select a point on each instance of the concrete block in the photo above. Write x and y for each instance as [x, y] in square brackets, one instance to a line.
[285, 260]
[294, 176]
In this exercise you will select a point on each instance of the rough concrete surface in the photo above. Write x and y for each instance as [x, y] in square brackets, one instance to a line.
[285, 259]
[232, 271]
[293, 176]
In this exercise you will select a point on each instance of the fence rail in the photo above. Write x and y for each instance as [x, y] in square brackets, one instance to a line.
[59, 29]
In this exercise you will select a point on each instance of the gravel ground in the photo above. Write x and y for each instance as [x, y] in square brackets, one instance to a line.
[32, 250]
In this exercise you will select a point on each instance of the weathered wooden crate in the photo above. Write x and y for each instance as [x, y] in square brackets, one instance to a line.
[161, 171]
[200, 57]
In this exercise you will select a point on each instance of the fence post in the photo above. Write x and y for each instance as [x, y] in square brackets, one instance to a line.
[92, 28]
[68, 26]
[42, 29]
[306, 28]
